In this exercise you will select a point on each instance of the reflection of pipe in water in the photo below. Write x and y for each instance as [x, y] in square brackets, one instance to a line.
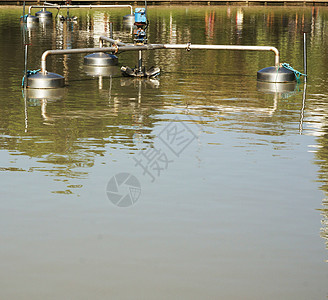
[302, 109]
[110, 90]
[139, 92]
[25, 109]
[100, 82]
[43, 97]
[138, 138]
[279, 90]
[44, 111]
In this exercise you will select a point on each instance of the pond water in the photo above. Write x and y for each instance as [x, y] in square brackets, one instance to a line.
[200, 184]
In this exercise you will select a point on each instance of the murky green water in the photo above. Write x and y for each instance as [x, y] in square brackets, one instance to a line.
[229, 178]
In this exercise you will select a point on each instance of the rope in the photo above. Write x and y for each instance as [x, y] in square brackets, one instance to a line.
[24, 18]
[297, 73]
[28, 73]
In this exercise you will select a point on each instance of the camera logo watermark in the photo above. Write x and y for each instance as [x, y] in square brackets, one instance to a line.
[175, 137]
[123, 190]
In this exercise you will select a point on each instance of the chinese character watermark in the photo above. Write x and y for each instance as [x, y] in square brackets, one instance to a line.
[152, 161]
[177, 136]
[124, 189]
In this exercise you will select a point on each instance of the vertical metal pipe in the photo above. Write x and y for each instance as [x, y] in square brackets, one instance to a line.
[140, 61]
[25, 67]
[111, 30]
[276, 61]
[305, 56]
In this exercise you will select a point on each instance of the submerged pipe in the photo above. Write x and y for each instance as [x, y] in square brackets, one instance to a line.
[78, 6]
[131, 47]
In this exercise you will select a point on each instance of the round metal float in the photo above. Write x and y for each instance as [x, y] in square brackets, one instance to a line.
[101, 71]
[100, 59]
[129, 19]
[45, 81]
[273, 74]
[44, 14]
[276, 87]
[31, 19]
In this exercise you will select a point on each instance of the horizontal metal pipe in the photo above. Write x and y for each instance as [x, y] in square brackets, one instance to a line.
[225, 47]
[93, 50]
[207, 47]
[50, 4]
[132, 47]
[116, 42]
[79, 6]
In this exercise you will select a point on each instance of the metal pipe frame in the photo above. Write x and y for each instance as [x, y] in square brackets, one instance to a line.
[93, 50]
[119, 46]
[188, 46]
[79, 6]
[226, 47]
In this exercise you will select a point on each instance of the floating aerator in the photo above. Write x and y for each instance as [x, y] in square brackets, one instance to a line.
[45, 80]
[100, 60]
[276, 74]
[31, 19]
[44, 14]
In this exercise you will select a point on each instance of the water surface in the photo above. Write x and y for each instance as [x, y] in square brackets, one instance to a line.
[232, 174]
